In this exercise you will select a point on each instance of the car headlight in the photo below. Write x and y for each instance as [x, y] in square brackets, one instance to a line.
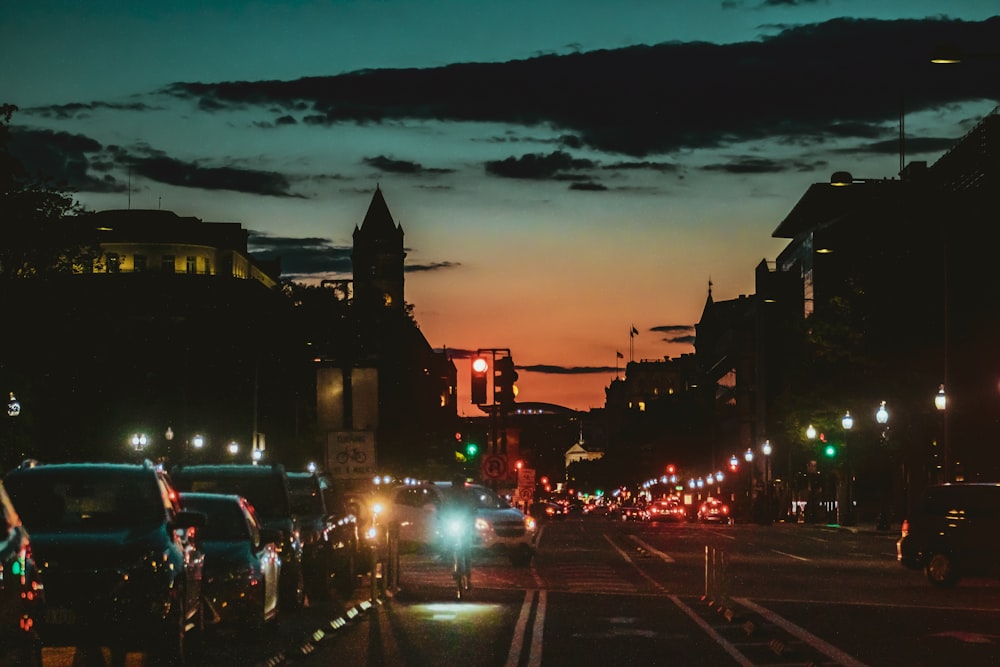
[482, 525]
[529, 523]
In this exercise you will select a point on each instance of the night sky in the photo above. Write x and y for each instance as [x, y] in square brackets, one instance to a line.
[563, 171]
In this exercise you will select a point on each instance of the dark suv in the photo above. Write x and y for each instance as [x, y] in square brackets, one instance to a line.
[266, 487]
[21, 594]
[115, 553]
[953, 532]
[329, 534]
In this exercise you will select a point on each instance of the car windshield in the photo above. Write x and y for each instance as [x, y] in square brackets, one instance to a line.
[86, 501]
[486, 498]
[265, 492]
[224, 520]
[305, 496]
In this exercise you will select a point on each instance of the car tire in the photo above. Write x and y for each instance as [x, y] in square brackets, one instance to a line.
[940, 570]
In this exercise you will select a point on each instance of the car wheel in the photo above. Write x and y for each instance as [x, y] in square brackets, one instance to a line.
[940, 570]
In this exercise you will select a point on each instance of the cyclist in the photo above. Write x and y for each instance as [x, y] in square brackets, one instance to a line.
[458, 516]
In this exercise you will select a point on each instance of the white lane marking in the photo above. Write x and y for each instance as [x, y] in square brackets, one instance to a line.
[517, 641]
[638, 569]
[656, 552]
[710, 631]
[535, 652]
[809, 638]
[782, 553]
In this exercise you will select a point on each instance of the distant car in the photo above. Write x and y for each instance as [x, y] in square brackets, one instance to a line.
[548, 510]
[667, 509]
[414, 510]
[714, 510]
[116, 554]
[954, 531]
[266, 488]
[21, 593]
[329, 535]
[242, 566]
[634, 512]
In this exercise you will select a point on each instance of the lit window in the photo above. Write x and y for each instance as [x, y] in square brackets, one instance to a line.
[114, 262]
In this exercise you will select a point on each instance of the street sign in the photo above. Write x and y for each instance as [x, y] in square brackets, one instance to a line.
[494, 466]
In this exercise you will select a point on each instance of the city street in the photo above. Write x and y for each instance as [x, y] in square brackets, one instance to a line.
[603, 591]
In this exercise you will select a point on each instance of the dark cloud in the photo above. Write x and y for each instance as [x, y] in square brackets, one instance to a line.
[535, 166]
[301, 256]
[589, 186]
[67, 160]
[193, 175]
[839, 78]
[567, 370]
[758, 165]
[63, 159]
[433, 266]
[676, 333]
[85, 109]
[390, 165]
[912, 146]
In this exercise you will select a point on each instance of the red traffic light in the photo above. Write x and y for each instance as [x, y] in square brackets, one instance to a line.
[480, 366]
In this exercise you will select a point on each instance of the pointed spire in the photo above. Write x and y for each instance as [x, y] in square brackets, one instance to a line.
[378, 221]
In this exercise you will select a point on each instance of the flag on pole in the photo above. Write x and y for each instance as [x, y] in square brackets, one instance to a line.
[619, 355]
[635, 332]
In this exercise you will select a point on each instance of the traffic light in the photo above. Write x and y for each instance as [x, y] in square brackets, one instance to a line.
[471, 449]
[504, 378]
[830, 451]
[480, 374]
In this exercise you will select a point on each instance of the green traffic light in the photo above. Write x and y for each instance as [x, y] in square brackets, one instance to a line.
[471, 449]
[830, 451]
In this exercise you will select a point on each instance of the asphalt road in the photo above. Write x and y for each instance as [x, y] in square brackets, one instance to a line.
[606, 592]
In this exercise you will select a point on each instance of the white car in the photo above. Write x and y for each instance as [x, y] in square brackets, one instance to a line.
[415, 510]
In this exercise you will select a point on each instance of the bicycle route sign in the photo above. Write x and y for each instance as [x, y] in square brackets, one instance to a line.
[350, 454]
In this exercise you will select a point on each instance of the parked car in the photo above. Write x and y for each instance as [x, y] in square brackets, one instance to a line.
[242, 566]
[116, 554]
[266, 487]
[714, 510]
[954, 531]
[413, 509]
[329, 534]
[21, 593]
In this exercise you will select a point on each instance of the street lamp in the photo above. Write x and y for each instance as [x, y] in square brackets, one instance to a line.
[139, 441]
[811, 432]
[882, 418]
[847, 421]
[941, 403]
[13, 406]
[234, 448]
[198, 441]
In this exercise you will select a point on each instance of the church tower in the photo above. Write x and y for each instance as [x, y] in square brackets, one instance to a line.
[377, 258]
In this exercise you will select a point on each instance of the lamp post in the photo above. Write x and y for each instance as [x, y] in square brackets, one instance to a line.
[768, 513]
[882, 419]
[846, 517]
[941, 403]
[748, 457]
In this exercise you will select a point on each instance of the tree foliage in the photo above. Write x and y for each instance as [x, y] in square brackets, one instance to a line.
[38, 238]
